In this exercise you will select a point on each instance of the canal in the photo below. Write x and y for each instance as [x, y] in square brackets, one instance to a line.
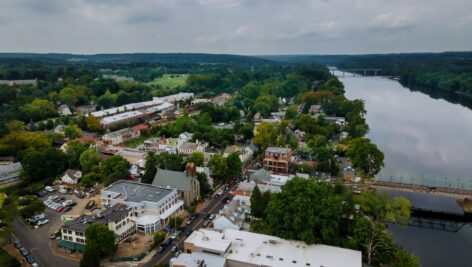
[426, 136]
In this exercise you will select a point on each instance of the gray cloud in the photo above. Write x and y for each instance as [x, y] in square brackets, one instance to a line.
[235, 26]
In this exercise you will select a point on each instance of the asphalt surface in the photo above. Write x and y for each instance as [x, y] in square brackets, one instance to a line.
[37, 242]
[212, 208]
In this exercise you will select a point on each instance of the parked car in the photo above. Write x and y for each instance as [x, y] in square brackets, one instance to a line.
[49, 188]
[29, 259]
[34, 264]
[41, 193]
[166, 242]
[24, 251]
[53, 197]
[63, 191]
[206, 223]
[160, 249]
[175, 248]
[41, 222]
[66, 209]
[60, 208]
[90, 204]
[17, 244]
[211, 216]
[60, 200]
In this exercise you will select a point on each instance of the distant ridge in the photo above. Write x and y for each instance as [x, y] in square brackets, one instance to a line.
[165, 58]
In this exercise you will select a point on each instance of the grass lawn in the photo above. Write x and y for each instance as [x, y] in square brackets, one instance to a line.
[170, 80]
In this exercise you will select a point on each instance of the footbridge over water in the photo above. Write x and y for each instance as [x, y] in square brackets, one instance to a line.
[440, 185]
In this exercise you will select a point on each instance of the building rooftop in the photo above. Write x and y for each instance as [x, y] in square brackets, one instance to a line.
[112, 214]
[189, 145]
[136, 192]
[261, 175]
[209, 239]
[173, 179]
[10, 167]
[117, 133]
[264, 250]
[120, 117]
[198, 259]
[278, 150]
[132, 106]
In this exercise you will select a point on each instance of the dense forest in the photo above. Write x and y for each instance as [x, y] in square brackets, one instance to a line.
[449, 71]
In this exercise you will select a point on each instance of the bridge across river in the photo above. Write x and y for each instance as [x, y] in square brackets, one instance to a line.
[354, 72]
[442, 185]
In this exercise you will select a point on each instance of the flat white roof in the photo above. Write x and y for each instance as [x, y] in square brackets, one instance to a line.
[195, 259]
[208, 239]
[264, 250]
[120, 117]
[132, 106]
[148, 220]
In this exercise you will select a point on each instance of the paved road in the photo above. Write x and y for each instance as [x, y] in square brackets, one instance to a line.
[213, 206]
[37, 242]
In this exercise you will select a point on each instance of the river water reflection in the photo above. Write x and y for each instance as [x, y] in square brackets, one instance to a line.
[419, 134]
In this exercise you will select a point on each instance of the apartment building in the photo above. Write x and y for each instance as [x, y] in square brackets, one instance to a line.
[117, 218]
[151, 206]
[277, 160]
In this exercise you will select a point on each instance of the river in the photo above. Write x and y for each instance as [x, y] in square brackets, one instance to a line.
[422, 135]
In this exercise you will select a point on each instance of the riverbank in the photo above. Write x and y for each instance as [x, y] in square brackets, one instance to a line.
[420, 134]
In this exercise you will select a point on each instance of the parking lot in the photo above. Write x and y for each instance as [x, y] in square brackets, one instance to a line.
[37, 239]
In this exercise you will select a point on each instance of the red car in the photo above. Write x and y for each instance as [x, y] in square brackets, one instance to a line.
[60, 208]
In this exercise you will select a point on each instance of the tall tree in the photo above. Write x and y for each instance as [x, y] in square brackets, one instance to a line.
[218, 167]
[373, 240]
[266, 135]
[197, 157]
[305, 210]
[99, 243]
[114, 168]
[233, 166]
[88, 159]
[205, 189]
[150, 167]
[365, 157]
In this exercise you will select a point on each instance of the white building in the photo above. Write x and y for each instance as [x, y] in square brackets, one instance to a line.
[64, 110]
[151, 206]
[128, 107]
[120, 136]
[116, 218]
[130, 116]
[246, 249]
[175, 97]
[197, 260]
[71, 176]
[10, 172]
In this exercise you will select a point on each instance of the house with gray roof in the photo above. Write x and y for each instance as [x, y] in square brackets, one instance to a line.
[185, 182]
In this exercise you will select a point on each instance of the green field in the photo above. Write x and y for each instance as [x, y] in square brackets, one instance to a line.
[170, 80]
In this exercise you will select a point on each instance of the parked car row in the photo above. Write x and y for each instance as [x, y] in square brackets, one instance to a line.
[25, 253]
[59, 204]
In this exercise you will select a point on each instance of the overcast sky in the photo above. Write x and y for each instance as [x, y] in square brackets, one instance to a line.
[235, 26]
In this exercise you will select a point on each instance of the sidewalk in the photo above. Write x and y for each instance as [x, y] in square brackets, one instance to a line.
[130, 263]
[56, 251]
[15, 253]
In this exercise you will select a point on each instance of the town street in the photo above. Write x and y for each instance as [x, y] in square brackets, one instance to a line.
[213, 207]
